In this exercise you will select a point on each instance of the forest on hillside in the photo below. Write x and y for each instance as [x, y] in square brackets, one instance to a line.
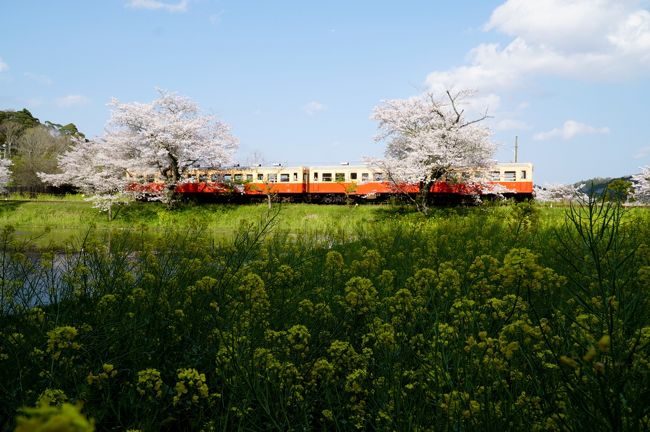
[32, 146]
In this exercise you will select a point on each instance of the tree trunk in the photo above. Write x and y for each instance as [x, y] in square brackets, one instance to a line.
[170, 195]
[422, 200]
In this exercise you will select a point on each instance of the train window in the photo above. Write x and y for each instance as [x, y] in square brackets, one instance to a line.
[327, 177]
[509, 175]
[495, 175]
[284, 177]
[214, 177]
[238, 177]
[378, 176]
[315, 176]
[523, 175]
[203, 178]
[353, 176]
[365, 177]
[295, 177]
[150, 179]
[260, 177]
[227, 177]
[339, 177]
[249, 177]
[273, 178]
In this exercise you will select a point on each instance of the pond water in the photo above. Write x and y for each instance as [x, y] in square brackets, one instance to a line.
[32, 278]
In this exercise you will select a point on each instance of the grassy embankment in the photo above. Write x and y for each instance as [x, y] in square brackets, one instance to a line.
[52, 223]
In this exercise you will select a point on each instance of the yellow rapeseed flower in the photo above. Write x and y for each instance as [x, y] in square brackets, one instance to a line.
[568, 361]
[47, 418]
[149, 382]
[52, 397]
[590, 354]
[191, 383]
[604, 343]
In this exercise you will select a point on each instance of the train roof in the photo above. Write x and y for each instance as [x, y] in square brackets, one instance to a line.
[254, 167]
[342, 166]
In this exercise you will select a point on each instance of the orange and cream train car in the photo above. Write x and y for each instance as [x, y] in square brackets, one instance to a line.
[340, 183]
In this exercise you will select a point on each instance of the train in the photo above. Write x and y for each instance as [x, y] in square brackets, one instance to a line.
[338, 184]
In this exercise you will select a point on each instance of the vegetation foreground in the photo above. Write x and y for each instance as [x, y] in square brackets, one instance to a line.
[494, 318]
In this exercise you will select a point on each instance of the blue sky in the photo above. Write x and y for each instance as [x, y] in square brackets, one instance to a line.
[298, 80]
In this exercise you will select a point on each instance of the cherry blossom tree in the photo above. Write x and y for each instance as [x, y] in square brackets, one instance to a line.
[168, 137]
[5, 173]
[559, 193]
[642, 185]
[92, 167]
[427, 137]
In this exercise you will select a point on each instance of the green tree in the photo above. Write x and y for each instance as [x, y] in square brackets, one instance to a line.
[11, 131]
[22, 117]
[619, 190]
[12, 126]
[70, 129]
[37, 151]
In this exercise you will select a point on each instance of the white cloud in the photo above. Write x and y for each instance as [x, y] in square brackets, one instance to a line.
[580, 39]
[583, 40]
[3, 66]
[573, 25]
[570, 129]
[41, 79]
[181, 6]
[72, 100]
[511, 124]
[313, 107]
[479, 104]
[632, 37]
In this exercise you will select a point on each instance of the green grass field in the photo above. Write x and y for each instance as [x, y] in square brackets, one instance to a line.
[52, 223]
[55, 220]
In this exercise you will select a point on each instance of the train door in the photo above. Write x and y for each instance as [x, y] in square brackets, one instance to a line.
[305, 181]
